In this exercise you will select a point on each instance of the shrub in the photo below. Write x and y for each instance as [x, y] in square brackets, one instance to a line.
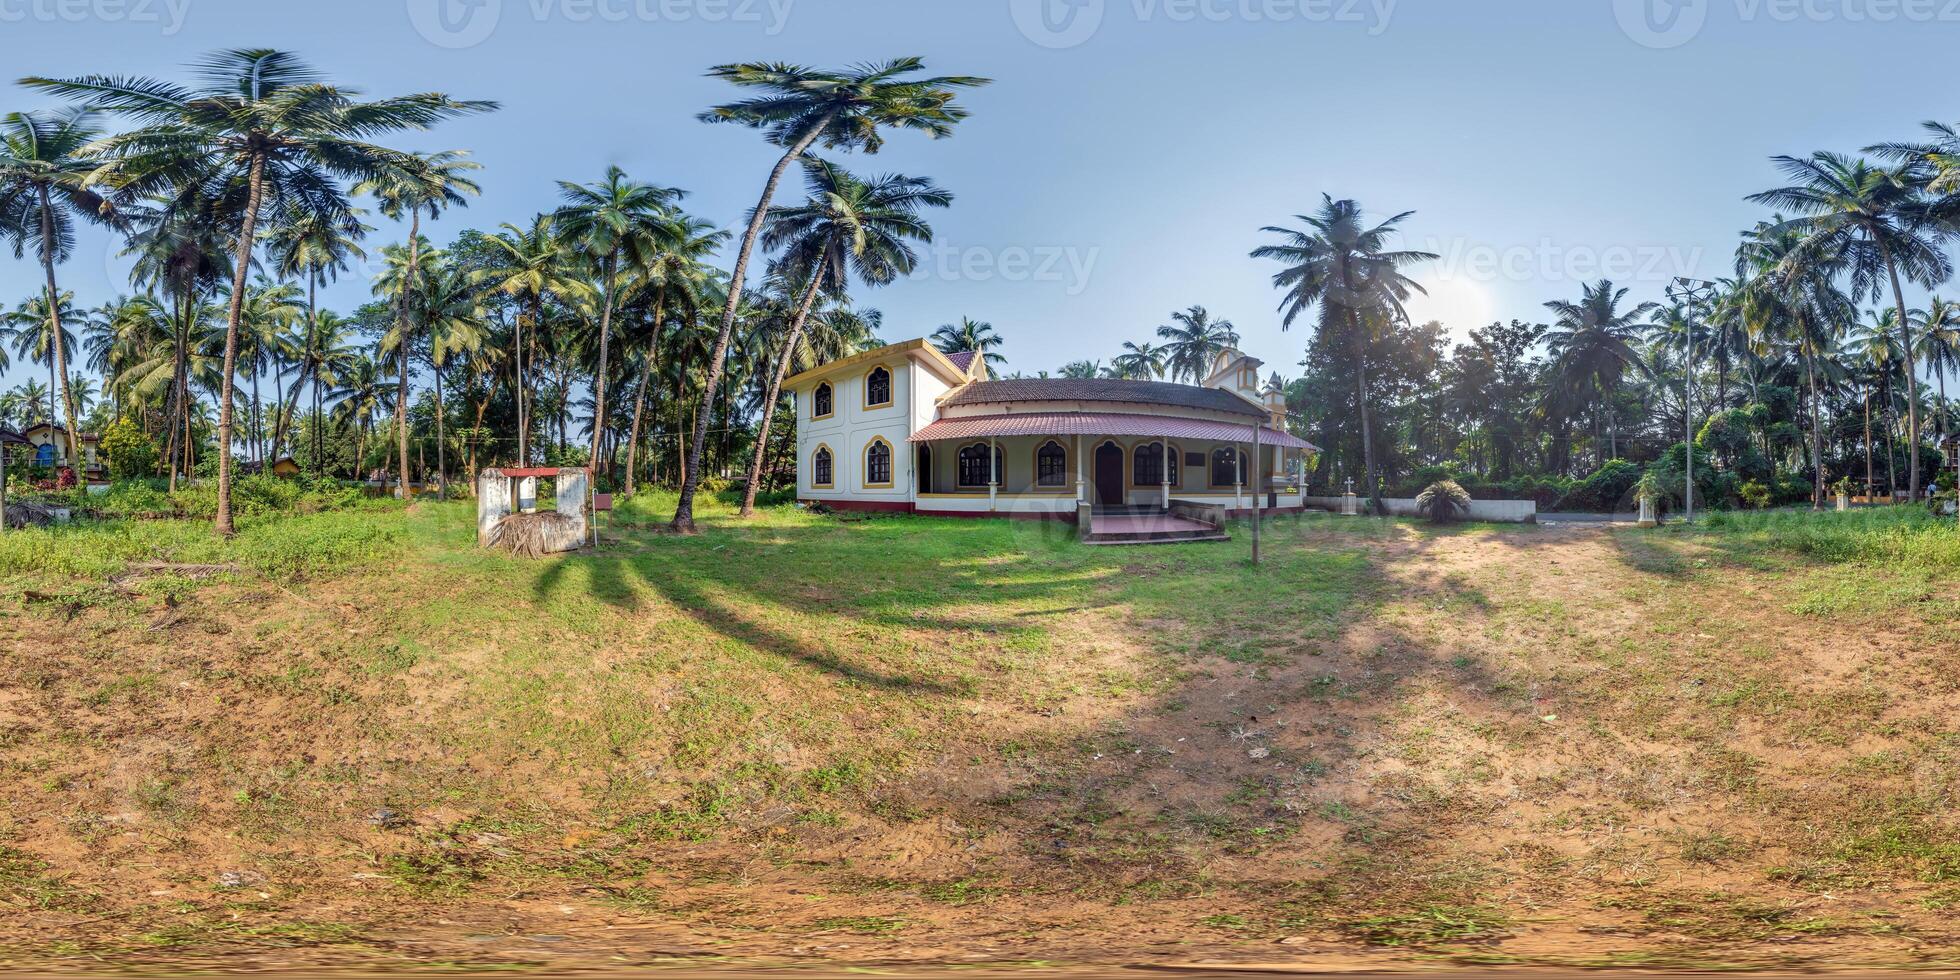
[129, 452]
[1754, 495]
[1443, 501]
[1608, 489]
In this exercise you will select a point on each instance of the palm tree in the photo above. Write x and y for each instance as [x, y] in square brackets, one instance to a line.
[1591, 345]
[1791, 297]
[453, 317]
[803, 107]
[1141, 362]
[302, 243]
[848, 226]
[32, 326]
[1192, 341]
[1876, 219]
[425, 182]
[676, 278]
[970, 335]
[1082, 369]
[527, 264]
[609, 222]
[261, 121]
[1342, 265]
[269, 312]
[44, 169]
[1876, 344]
[1939, 345]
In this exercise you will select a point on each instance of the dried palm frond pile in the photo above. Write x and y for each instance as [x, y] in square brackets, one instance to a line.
[30, 513]
[530, 535]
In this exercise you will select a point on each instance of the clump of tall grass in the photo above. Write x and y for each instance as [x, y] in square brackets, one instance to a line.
[281, 545]
[1908, 536]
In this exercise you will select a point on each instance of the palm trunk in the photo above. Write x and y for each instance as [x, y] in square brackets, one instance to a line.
[57, 354]
[246, 229]
[403, 343]
[1816, 433]
[1912, 371]
[1367, 422]
[1871, 479]
[691, 480]
[776, 387]
[599, 376]
[283, 424]
[442, 451]
[646, 381]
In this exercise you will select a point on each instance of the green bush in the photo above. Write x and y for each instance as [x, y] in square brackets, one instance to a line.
[1608, 489]
[129, 452]
[1754, 495]
[1444, 501]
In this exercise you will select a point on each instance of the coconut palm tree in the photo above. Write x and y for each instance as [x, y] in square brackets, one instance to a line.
[1878, 221]
[1790, 297]
[1939, 345]
[1874, 346]
[1341, 264]
[848, 227]
[676, 279]
[800, 108]
[424, 183]
[32, 326]
[615, 220]
[260, 121]
[1141, 362]
[1591, 343]
[44, 168]
[1192, 341]
[970, 335]
[269, 312]
[456, 328]
[302, 244]
[528, 265]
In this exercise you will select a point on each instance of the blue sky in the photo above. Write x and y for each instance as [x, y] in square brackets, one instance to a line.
[1120, 168]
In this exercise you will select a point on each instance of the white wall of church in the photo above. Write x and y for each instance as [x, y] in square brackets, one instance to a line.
[850, 430]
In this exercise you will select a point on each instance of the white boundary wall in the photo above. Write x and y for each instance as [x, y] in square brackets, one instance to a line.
[1495, 511]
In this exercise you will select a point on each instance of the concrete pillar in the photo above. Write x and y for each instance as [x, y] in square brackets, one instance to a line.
[493, 503]
[575, 502]
[1081, 475]
[1168, 462]
[993, 475]
[1238, 469]
[527, 495]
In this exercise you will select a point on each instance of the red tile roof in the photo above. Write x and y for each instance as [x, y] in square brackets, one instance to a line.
[1104, 390]
[962, 360]
[1101, 424]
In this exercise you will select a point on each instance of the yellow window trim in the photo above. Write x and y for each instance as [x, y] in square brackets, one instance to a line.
[982, 446]
[1244, 457]
[1035, 458]
[814, 417]
[866, 460]
[814, 453]
[891, 387]
[1130, 466]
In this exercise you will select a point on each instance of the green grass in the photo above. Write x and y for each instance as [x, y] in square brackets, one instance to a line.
[1904, 536]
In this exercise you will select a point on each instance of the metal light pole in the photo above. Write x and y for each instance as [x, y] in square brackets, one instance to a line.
[1690, 288]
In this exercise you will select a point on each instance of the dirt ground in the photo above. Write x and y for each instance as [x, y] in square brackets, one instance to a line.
[1548, 747]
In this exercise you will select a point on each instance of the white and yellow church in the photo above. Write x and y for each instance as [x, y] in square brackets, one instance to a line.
[907, 428]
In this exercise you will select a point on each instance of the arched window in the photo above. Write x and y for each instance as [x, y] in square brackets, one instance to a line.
[820, 402]
[1147, 466]
[878, 463]
[1051, 465]
[878, 388]
[821, 476]
[44, 454]
[973, 472]
[1225, 466]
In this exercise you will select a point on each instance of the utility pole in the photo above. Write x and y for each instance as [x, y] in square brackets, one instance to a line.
[1691, 288]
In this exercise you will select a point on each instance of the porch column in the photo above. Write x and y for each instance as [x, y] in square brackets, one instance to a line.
[1167, 472]
[1081, 474]
[993, 475]
[1238, 485]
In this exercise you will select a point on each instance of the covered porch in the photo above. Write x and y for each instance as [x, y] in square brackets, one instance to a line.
[1144, 477]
